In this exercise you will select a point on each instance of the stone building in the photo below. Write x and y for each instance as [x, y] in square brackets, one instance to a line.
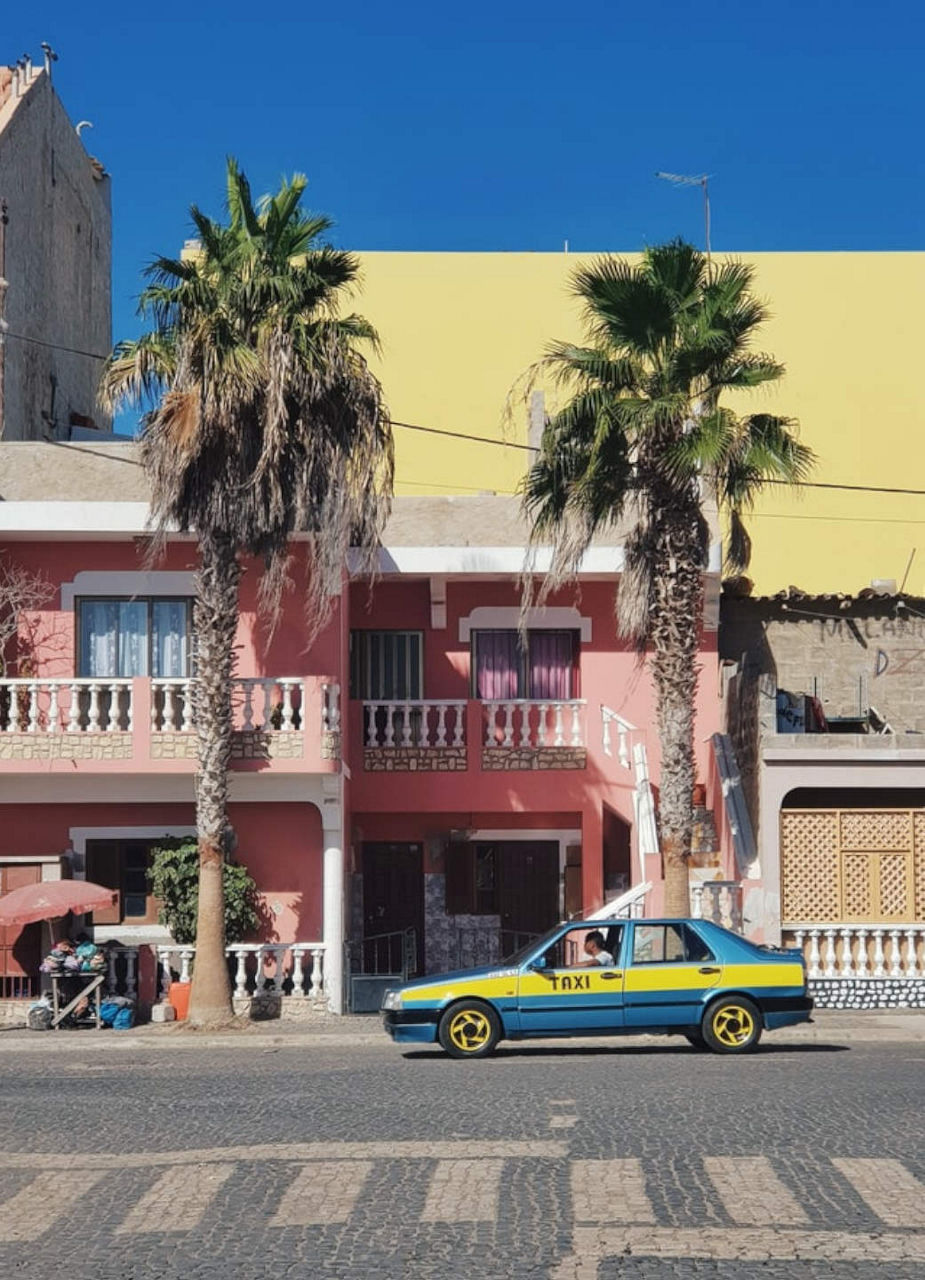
[824, 699]
[55, 259]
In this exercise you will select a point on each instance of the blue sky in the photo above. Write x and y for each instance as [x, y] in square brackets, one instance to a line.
[505, 125]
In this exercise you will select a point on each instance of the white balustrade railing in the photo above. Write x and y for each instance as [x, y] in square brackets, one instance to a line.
[860, 950]
[78, 705]
[265, 703]
[630, 905]
[615, 736]
[415, 722]
[260, 968]
[719, 901]
[528, 722]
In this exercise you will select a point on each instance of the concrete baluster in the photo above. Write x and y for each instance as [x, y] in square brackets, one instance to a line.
[298, 975]
[559, 738]
[895, 956]
[846, 964]
[186, 956]
[830, 957]
[441, 727]
[879, 966]
[814, 969]
[317, 974]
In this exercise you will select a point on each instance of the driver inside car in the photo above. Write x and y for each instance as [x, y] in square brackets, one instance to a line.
[594, 949]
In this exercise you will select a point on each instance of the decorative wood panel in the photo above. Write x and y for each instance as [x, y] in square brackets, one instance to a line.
[852, 865]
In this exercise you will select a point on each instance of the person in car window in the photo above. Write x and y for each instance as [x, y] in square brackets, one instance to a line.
[594, 949]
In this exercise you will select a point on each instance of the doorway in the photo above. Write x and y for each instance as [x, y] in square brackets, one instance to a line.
[393, 892]
[20, 945]
[528, 889]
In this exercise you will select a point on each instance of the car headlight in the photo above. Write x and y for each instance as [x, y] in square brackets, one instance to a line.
[392, 1000]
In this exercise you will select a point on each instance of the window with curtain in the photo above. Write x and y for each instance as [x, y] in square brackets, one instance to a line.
[138, 637]
[540, 665]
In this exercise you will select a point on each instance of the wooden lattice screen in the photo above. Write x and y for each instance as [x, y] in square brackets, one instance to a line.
[843, 866]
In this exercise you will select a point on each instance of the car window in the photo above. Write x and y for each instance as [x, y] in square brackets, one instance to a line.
[667, 944]
[569, 950]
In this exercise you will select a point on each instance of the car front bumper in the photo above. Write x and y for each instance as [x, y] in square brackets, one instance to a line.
[411, 1026]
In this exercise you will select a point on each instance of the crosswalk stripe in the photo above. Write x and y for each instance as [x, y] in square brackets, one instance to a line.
[322, 1192]
[38, 1206]
[463, 1191]
[751, 1191]
[610, 1191]
[886, 1186]
[178, 1199]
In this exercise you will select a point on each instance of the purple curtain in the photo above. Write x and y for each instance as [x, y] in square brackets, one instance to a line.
[550, 674]
[497, 665]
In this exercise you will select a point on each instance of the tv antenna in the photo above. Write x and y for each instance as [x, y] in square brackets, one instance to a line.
[694, 180]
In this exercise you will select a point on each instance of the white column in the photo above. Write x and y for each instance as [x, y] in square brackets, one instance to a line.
[559, 739]
[53, 725]
[187, 706]
[240, 973]
[163, 956]
[508, 739]
[248, 687]
[697, 901]
[111, 979]
[912, 961]
[287, 724]
[33, 707]
[814, 970]
[441, 727]
[862, 967]
[334, 911]
[406, 725]
[73, 711]
[390, 724]
[576, 724]
[186, 956]
[297, 973]
[846, 964]
[895, 957]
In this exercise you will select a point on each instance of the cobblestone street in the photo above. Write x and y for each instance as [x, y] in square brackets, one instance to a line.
[805, 1161]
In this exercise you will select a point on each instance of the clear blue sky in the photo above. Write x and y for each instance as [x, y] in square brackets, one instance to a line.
[504, 125]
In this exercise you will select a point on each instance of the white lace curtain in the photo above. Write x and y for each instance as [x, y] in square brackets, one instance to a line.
[117, 636]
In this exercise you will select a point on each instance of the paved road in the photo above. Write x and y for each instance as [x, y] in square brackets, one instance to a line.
[240, 1162]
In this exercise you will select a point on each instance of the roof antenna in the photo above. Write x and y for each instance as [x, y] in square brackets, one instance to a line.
[50, 57]
[694, 180]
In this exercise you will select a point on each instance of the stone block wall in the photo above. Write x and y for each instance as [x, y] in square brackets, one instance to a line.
[516, 759]
[868, 993]
[414, 759]
[248, 744]
[66, 746]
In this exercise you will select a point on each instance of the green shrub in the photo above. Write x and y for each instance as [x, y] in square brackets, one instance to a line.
[174, 878]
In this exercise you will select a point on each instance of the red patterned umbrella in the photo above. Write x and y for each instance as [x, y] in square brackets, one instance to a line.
[53, 898]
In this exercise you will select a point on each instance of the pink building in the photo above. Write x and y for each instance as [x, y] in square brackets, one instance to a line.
[423, 784]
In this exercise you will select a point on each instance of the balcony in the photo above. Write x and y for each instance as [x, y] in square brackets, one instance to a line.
[139, 725]
[434, 736]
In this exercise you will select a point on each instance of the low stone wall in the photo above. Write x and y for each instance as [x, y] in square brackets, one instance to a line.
[414, 759]
[246, 744]
[868, 993]
[515, 759]
[66, 746]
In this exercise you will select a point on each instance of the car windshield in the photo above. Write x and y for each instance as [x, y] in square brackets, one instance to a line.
[536, 944]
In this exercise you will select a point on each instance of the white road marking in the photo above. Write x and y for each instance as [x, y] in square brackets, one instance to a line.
[591, 1245]
[463, 1191]
[37, 1207]
[887, 1187]
[177, 1200]
[322, 1192]
[296, 1152]
[610, 1191]
[751, 1191]
[562, 1122]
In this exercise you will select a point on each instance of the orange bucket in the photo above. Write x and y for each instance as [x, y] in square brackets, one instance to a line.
[178, 996]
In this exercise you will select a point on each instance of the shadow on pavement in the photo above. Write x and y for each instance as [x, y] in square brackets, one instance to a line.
[631, 1051]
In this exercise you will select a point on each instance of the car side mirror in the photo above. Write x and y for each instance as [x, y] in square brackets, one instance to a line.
[539, 963]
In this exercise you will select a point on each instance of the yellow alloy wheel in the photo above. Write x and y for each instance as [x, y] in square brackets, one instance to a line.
[733, 1025]
[470, 1030]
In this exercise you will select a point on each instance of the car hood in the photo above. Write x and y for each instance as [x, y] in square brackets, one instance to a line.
[458, 975]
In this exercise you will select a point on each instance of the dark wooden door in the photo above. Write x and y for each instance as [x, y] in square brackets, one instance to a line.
[528, 889]
[393, 891]
[20, 945]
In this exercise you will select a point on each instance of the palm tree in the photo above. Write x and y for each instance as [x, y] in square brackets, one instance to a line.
[263, 421]
[642, 434]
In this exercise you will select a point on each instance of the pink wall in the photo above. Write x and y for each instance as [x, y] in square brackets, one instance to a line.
[53, 631]
[280, 844]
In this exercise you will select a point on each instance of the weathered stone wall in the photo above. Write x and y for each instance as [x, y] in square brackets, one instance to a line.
[514, 759]
[248, 744]
[58, 264]
[65, 746]
[868, 993]
[851, 652]
[414, 759]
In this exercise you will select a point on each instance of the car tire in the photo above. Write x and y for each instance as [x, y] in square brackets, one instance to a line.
[695, 1040]
[731, 1024]
[469, 1029]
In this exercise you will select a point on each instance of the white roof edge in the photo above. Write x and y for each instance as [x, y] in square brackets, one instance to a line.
[73, 517]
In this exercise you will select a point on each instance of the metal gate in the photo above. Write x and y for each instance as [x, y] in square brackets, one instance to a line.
[376, 963]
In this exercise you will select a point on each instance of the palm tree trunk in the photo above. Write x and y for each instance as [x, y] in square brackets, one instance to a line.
[676, 622]
[215, 618]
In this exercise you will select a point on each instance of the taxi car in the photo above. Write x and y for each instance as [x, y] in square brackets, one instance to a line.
[678, 977]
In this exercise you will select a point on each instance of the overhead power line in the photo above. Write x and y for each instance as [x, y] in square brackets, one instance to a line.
[54, 346]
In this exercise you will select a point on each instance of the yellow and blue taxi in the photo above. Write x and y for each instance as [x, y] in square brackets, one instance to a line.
[613, 977]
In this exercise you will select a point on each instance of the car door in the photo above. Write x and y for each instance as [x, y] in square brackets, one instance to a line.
[556, 998]
[670, 972]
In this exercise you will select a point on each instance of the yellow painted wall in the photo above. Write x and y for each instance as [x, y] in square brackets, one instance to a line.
[458, 329]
